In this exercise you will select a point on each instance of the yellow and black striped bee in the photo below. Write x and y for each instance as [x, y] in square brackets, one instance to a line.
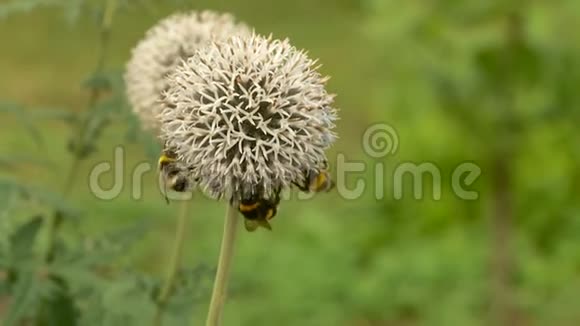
[258, 211]
[173, 174]
[317, 181]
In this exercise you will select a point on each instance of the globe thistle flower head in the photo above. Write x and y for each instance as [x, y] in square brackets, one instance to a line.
[249, 115]
[162, 49]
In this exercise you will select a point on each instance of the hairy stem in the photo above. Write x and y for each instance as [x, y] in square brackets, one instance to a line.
[223, 269]
[174, 264]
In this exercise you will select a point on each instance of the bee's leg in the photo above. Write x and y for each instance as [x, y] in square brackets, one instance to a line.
[277, 194]
[301, 187]
[270, 213]
[265, 224]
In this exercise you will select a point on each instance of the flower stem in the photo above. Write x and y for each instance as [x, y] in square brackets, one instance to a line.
[174, 264]
[223, 269]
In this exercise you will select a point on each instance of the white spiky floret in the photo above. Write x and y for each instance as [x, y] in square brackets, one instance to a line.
[248, 115]
[162, 49]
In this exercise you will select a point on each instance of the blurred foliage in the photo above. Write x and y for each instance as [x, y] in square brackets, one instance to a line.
[458, 80]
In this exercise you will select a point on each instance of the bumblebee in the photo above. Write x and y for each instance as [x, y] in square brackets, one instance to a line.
[258, 211]
[173, 174]
[316, 181]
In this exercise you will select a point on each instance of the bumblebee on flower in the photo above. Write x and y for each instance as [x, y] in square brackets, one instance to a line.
[250, 116]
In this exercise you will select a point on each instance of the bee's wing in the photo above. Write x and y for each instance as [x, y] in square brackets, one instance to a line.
[250, 225]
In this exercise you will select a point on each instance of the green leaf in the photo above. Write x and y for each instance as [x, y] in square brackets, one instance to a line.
[23, 299]
[193, 286]
[80, 277]
[100, 114]
[58, 309]
[7, 192]
[24, 120]
[45, 197]
[53, 200]
[22, 241]
[130, 299]
[104, 249]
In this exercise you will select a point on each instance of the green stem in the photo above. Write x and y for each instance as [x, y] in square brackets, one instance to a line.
[68, 186]
[50, 220]
[223, 269]
[174, 264]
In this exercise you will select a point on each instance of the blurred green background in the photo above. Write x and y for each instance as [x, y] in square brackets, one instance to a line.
[493, 83]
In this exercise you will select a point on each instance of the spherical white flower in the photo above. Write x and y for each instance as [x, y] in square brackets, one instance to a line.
[173, 39]
[248, 115]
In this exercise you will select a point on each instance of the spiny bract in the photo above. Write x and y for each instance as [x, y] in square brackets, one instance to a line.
[248, 115]
[173, 39]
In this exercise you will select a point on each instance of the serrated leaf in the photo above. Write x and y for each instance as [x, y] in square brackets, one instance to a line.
[53, 200]
[103, 250]
[45, 197]
[77, 275]
[22, 241]
[32, 130]
[23, 299]
[57, 309]
[192, 286]
[22, 116]
[24, 119]
[130, 298]
[101, 113]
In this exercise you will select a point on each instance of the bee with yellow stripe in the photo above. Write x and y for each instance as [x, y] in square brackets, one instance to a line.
[317, 181]
[258, 210]
[173, 175]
